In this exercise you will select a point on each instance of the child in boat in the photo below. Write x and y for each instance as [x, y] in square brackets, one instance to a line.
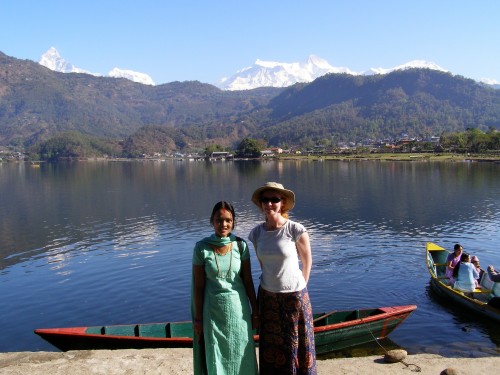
[465, 275]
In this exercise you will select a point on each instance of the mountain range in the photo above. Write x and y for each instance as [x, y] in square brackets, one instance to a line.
[37, 103]
[53, 60]
[260, 74]
[276, 74]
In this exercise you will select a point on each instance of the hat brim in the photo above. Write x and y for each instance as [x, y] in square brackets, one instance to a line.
[287, 194]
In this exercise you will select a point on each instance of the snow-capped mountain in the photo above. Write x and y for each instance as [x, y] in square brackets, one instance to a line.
[260, 74]
[491, 82]
[276, 74]
[409, 65]
[131, 75]
[53, 60]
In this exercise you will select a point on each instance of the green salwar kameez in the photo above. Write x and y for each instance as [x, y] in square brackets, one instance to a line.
[227, 346]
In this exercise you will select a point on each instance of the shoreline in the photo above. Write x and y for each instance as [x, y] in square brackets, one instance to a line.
[399, 156]
[179, 362]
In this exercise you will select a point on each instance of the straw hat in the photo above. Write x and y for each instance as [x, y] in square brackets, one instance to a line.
[287, 194]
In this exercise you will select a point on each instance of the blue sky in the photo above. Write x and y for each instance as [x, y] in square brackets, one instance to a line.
[207, 40]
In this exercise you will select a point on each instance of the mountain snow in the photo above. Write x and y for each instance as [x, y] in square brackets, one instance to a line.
[260, 74]
[275, 74]
[53, 60]
[409, 65]
[490, 81]
[131, 75]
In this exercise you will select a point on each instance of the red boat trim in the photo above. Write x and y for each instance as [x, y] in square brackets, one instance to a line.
[80, 332]
[390, 312]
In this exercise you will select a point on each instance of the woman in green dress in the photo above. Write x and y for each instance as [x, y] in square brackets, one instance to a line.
[222, 295]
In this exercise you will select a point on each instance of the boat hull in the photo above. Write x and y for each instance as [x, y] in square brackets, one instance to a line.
[476, 303]
[360, 331]
[333, 331]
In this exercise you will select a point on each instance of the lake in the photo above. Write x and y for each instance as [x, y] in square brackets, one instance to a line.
[91, 243]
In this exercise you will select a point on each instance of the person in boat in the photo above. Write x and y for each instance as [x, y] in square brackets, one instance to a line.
[452, 260]
[494, 275]
[286, 344]
[465, 275]
[475, 262]
[223, 300]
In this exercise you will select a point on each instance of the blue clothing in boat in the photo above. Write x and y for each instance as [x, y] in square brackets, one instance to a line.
[466, 277]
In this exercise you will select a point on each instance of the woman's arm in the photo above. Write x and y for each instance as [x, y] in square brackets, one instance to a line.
[199, 288]
[494, 275]
[246, 276]
[448, 265]
[474, 272]
[304, 249]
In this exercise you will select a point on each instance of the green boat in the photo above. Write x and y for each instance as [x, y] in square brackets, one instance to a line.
[477, 301]
[333, 331]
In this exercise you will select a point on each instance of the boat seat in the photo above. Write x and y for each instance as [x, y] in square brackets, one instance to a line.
[180, 330]
[496, 289]
[486, 282]
[482, 290]
[489, 286]
[153, 330]
[435, 265]
[119, 330]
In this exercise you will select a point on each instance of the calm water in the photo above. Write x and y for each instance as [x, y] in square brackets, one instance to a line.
[110, 243]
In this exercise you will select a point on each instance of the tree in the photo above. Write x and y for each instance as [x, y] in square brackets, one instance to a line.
[72, 145]
[249, 148]
[472, 140]
[477, 141]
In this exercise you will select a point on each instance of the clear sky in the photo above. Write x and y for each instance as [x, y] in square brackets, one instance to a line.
[180, 40]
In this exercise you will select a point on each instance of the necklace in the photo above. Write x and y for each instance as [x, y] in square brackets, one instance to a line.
[223, 250]
[220, 251]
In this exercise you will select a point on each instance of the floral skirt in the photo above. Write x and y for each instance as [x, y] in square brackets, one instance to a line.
[286, 344]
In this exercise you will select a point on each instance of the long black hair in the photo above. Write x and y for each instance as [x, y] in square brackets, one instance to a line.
[457, 267]
[226, 206]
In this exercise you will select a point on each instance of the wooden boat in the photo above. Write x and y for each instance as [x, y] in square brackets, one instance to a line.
[477, 301]
[334, 330]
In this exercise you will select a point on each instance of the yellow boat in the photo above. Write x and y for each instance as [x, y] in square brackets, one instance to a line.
[476, 301]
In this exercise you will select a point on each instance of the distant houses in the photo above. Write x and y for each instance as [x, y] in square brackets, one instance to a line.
[220, 155]
[271, 152]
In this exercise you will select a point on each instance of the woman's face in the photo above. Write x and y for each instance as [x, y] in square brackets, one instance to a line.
[271, 202]
[458, 251]
[223, 223]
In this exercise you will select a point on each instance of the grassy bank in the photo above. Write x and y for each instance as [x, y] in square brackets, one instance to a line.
[398, 157]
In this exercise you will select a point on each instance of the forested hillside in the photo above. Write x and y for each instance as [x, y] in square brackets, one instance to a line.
[36, 104]
[418, 102]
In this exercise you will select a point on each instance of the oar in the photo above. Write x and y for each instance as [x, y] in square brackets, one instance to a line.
[324, 316]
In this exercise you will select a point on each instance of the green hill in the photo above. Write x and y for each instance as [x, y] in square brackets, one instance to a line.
[37, 103]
